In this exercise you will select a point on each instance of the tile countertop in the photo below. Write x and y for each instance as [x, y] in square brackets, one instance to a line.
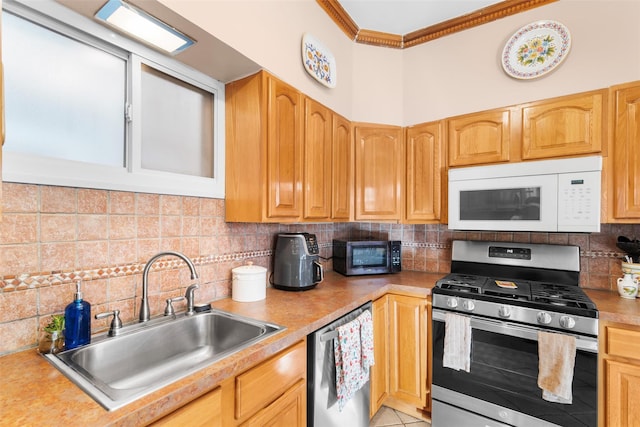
[34, 393]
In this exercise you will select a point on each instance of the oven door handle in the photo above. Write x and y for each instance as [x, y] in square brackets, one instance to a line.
[588, 344]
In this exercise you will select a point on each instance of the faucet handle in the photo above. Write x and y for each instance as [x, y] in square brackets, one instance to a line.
[116, 323]
[189, 295]
[169, 311]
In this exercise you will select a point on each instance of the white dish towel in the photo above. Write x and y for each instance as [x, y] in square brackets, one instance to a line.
[556, 360]
[457, 342]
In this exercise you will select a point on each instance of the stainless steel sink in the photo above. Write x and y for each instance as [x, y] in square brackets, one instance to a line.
[116, 371]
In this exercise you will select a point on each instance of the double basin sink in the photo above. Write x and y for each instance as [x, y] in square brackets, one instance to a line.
[145, 357]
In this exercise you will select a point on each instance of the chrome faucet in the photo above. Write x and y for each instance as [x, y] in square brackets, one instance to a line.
[144, 307]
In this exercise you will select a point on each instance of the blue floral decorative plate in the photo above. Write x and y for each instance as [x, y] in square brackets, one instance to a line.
[318, 61]
[536, 49]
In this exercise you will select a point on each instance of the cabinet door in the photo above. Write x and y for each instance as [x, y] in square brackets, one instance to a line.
[380, 370]
[623, 389]
[424, 153]
[342, 170]
[317, 161]
[1, 122]
[205, 411]
[258, 387]
[480, 138]
[378, 172]
[284, 151]
[290, 410]
[408, 349]
[567, 126]
[626, 154]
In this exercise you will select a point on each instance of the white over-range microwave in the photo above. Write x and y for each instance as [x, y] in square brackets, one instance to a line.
[550, 195]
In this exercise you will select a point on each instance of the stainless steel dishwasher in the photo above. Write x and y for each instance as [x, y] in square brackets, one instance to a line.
[322, 402]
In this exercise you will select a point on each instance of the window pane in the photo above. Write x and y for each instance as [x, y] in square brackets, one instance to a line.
[177, 125]
[64, 99]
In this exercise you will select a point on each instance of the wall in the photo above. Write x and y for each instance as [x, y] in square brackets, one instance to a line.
[269, 32]
[455, 74]
[52, 236]
[462, 73]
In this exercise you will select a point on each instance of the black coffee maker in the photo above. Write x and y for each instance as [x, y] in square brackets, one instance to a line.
[295, 263]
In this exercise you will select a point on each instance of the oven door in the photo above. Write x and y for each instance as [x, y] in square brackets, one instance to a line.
[501, 384]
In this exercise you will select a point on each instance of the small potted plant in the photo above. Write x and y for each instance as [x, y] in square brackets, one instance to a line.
[52, 338]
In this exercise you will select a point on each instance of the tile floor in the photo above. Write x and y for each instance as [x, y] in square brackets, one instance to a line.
[387, 417]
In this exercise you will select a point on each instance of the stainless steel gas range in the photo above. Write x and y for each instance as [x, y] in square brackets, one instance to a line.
[506, 294]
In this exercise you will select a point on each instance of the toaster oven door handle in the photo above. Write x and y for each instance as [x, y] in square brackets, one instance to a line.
[583, 343]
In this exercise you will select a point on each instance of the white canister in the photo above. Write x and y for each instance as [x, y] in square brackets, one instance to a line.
[249, 283]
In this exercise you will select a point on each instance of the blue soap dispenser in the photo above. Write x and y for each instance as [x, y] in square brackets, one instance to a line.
[77, 321]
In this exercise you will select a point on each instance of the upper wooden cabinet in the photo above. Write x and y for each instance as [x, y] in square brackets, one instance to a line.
[379, 169]
[342, 170]
[566, 126]
[318, 132]
[425, 172]
[263, 150]
[571, 125]
[624, 168]
[2, 130]
[288, 157]
[480, 138]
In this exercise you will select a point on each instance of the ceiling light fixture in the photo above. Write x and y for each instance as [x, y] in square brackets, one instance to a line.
[143, 26]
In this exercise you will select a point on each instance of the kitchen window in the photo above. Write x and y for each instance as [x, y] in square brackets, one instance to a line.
[87, 109]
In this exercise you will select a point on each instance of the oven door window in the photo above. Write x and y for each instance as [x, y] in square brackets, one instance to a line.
[504, 371]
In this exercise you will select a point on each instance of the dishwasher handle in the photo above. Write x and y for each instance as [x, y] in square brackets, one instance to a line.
[327, 336]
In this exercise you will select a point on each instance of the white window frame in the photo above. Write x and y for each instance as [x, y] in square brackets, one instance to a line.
[32, 169]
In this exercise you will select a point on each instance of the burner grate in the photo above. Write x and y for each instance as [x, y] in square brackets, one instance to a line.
[561, 295]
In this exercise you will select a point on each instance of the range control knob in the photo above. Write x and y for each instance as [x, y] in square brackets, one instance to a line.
[468, 305]
[504, 311]
[567, 322]
[452, 302]
[544, 318]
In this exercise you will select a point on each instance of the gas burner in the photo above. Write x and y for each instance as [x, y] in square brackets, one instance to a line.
[461, 287]
[462, 283]
[560, 295]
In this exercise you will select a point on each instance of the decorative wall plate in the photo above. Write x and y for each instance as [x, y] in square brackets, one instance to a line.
[536, 49]
[318, 61]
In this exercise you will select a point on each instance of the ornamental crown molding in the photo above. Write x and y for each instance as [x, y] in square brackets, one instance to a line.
[336, 12]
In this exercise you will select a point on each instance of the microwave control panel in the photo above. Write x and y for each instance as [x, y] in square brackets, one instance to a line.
[579, 201]
[396, 256]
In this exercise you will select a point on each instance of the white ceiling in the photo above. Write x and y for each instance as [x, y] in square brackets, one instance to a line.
[404, 16]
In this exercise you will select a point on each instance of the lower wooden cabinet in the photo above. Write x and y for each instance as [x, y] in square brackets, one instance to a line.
[289, 410]
[204, 411]
[258, 387]
[272, 393]
[400, 378]
[408, 349]
[380, 370]
[620, 369]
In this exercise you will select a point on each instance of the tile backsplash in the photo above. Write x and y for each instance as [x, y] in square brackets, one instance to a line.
[50, 237]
